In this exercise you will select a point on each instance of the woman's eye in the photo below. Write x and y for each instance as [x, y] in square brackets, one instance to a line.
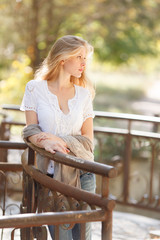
[79, 57]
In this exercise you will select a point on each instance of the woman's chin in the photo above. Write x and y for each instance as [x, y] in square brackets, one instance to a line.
[77, 75]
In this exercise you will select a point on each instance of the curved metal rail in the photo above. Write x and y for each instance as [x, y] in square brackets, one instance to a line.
[67, 190]
[97, 168]
[104, 215]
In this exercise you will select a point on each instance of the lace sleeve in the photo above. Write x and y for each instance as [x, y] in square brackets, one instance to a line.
[29, 99]
[88, 108]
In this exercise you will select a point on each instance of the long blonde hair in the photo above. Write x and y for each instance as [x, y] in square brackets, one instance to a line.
[64, 48]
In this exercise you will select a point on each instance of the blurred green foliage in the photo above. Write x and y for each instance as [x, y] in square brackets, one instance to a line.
[12, 89]
[120, 31]
[107, 147]
[114, 99]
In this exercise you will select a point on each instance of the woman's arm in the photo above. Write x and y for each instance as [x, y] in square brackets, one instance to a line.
[31, 118]
[51, 143]
[87, 128]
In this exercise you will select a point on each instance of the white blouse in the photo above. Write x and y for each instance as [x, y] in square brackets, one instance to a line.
[51, 119]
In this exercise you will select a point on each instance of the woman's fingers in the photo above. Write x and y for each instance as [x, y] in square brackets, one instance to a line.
[50, 150]
[56, 146]
[61, 148]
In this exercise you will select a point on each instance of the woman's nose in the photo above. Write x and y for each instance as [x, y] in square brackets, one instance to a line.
[83, 63]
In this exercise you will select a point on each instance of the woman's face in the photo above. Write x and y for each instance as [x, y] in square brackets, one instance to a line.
[75, 65]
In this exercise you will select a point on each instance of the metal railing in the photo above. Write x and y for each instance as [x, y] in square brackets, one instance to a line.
[5, 127]
[130, 144]
[10, 184]
[131, 141]
[34, 182]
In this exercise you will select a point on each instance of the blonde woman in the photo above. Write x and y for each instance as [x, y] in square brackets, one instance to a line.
[59, 100]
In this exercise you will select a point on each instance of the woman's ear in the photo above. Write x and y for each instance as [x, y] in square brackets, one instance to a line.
[62, 62]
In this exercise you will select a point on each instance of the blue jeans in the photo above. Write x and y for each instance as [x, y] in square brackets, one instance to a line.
[88, 183]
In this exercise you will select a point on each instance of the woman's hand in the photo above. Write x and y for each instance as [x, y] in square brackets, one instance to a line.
[51, 142]
[48, 141]
[52, 146]
[44, 136]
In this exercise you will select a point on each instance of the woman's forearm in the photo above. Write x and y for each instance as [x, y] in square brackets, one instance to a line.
[33, 139]
[44, 140]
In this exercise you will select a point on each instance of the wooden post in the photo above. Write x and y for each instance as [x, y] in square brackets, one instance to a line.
[127, 160]
[107, 224]
[29, 185]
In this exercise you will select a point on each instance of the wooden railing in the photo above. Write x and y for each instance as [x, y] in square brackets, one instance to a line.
[132, 144]
[34, 181]
[5, 127]
[131, 141]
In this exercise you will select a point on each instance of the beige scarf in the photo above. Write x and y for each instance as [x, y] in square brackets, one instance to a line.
[79, 146]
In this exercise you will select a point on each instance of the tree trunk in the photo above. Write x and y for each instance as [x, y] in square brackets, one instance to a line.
[32, 50]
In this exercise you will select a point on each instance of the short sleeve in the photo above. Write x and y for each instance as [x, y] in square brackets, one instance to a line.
[29, 99]
[88, 107]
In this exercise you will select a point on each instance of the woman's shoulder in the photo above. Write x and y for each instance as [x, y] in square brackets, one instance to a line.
[34, 84]
[83, 91]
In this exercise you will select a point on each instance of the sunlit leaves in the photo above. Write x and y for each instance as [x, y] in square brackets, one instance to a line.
[12, 88]
[119, 31]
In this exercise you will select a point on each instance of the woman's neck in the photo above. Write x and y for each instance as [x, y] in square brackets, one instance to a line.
[62, 81]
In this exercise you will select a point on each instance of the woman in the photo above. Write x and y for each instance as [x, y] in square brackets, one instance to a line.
[59, 100]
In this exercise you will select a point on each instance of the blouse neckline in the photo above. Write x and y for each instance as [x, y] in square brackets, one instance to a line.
[70, 101]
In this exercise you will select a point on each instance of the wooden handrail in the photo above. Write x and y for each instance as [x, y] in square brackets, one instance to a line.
[102, 114]
[67, 190]
[39, 219]
[126, 116]
[12, 145]
[6, 167]
[66, 159]
[82, 216]
[121, 131]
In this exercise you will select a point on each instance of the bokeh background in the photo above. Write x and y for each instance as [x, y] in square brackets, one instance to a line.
[125, 68]
[125, 34]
